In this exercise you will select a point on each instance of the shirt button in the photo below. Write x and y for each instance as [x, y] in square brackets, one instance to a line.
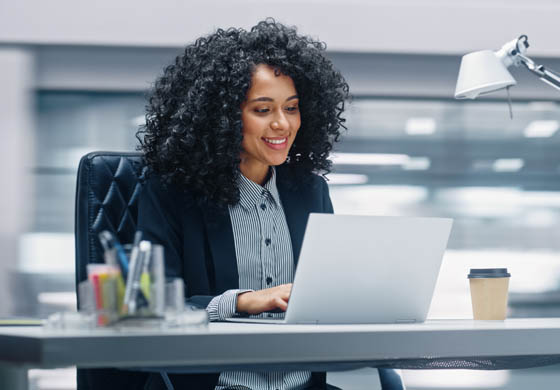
[263, 192]
[263, 206]
[267, 241]
[268, 280]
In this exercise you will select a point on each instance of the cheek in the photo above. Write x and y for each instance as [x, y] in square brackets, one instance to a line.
[251, 126]
[296, 123]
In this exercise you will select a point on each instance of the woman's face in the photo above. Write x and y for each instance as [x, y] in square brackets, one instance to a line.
[271, 120]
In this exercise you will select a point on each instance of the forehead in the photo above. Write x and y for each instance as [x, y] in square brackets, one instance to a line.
[264, 82]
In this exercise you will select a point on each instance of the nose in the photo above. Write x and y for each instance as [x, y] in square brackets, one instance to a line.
[280, 122]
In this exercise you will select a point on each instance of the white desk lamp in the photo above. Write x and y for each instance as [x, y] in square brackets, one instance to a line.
[486, 71]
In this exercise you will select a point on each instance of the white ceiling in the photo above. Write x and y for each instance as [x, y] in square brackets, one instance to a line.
[423, 27]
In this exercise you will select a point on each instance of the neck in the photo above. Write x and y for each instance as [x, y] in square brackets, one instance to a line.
[257, 174]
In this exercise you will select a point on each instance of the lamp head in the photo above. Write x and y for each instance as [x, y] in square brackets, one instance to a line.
[486, 71]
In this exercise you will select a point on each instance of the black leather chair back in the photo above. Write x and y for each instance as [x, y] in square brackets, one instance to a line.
[106, 199]
[107, 192]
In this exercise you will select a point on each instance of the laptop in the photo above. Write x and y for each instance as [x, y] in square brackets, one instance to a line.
[356, 269]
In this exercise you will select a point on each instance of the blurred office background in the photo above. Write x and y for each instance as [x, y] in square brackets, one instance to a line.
[74, 79]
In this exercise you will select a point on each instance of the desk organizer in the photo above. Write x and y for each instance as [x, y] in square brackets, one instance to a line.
[130, 290]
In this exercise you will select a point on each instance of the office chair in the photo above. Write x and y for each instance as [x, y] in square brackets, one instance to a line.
[107, 191]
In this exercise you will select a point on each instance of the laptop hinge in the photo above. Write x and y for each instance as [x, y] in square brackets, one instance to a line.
[405, 321]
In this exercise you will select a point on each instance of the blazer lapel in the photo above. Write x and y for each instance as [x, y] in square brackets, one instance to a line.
[294, 209]
[222, 247]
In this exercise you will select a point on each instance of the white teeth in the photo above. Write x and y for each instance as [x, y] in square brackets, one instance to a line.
[275, 141]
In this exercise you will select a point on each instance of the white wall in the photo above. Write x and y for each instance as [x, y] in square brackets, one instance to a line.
[16, 158]
[397, 26]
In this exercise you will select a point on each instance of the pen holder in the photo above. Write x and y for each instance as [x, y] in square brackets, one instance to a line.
[144, 299]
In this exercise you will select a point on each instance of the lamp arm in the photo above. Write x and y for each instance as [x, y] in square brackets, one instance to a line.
[548, 76]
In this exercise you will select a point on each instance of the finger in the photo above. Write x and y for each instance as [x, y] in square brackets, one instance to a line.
[281, 304]
[286, 288]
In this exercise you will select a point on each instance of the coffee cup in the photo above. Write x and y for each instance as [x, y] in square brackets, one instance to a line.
[489, 293]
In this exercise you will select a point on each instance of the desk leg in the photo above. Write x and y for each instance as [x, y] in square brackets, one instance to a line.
[13, 377]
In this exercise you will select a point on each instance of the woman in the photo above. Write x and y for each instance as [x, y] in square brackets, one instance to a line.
[237, 131]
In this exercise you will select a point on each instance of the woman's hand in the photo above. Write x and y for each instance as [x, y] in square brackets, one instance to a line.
[256, 302]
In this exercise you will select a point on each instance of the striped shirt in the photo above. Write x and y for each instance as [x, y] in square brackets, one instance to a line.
[264, 259]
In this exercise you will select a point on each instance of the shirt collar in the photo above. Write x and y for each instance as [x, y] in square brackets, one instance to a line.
[250, 193]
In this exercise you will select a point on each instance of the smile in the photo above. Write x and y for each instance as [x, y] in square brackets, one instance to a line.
[275, 141]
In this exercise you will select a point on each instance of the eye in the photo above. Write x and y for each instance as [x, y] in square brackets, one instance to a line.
[292, 108]
[261, 110]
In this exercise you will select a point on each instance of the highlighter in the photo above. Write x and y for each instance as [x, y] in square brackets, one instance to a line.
[145, 280]
[133, 290]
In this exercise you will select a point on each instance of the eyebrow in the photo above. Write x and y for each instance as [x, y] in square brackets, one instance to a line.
[267, 99]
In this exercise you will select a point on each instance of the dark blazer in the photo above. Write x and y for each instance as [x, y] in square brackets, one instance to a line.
[199, 245]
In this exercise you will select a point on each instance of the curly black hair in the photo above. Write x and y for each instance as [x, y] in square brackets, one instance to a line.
[193, 131]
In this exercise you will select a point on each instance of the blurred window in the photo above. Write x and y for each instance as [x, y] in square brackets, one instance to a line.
[69, 125]
[497, 177]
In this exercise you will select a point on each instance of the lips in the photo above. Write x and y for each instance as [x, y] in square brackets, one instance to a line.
[276, 143]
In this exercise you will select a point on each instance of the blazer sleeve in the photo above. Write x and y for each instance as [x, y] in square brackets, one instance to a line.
[159, 219]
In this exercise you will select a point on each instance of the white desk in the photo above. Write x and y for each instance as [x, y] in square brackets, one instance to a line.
[231, 345]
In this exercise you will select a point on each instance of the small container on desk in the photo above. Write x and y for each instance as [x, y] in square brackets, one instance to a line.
[146, 301]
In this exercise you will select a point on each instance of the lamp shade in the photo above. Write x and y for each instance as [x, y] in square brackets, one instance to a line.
[481, 72]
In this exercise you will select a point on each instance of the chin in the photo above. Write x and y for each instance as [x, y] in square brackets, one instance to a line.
[277, 161]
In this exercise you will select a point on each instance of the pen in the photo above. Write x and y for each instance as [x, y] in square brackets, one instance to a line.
[133, 282]
[135, 245]
[109, 240]
[145, 280]
[109, 253]
[121, 255]
[133, 264]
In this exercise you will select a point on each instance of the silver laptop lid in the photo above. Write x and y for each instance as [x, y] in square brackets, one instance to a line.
[367, 269]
